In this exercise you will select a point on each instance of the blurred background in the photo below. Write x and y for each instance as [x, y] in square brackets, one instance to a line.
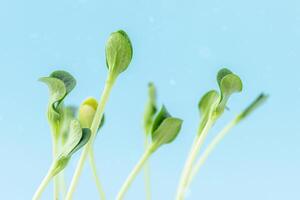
[180, 46]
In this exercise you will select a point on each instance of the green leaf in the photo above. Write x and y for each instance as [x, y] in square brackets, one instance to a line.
[229, 83]
[118, 52]
[60, 84]
[166, 132]
[57, 91]
[76, 139]
[221, 74]
[207, 107]
[150, 109]
[208, 102]
[160, 117]
[253, 106]
[68, 80]
[86, 134]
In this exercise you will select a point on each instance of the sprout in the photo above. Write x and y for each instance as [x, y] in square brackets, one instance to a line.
[164, 130]
[118, 57]
[212, 106]
[150, 109]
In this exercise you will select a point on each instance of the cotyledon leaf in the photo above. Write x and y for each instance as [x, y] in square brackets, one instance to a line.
[86, 134]
[118, 52]
[160, 117]
[77, 138]
[57, 90]
[229, 83]
[166, 132]
[60, 84]
[207, 107]
[74, 137]
[208, 101]
[221, 74]
[65, 77]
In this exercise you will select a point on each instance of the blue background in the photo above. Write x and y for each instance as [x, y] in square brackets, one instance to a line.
[180, 45]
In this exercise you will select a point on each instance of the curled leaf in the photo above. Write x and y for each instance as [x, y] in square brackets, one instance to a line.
[118, 52]
[229, 83]
[150, 109]
[60, 84]
[68, 80]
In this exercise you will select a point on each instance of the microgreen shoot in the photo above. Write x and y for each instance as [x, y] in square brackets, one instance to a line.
[70, 133]
[165, 129]
[211, 106]
[119, 53]
[219, 137]
[149, 113]
[64, 128]
[86, 115]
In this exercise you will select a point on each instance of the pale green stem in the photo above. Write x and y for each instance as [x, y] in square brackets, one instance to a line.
[95, 174]
[62, 183]
[134, 173]
[44, 184]
[211, 147]
[190, 161]
[55, 178]
[147, 173]
[96, 122]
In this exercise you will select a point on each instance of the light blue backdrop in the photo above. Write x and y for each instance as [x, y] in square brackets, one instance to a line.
[180, 45]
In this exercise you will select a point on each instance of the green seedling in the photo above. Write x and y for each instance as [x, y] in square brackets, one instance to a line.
[71, 132]
[86, 115]
[211, 106]
[150, 111]
[219, 137]
[118, 57]
[64, 129]
[164, 130]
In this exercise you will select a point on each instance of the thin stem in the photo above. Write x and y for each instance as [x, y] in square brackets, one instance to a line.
[190, 161]
[55, 178]
[96, 122]
[133, 174]
[147, 176]
[62, 183]
[95, 174]
[37, 195]
[217, 139]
